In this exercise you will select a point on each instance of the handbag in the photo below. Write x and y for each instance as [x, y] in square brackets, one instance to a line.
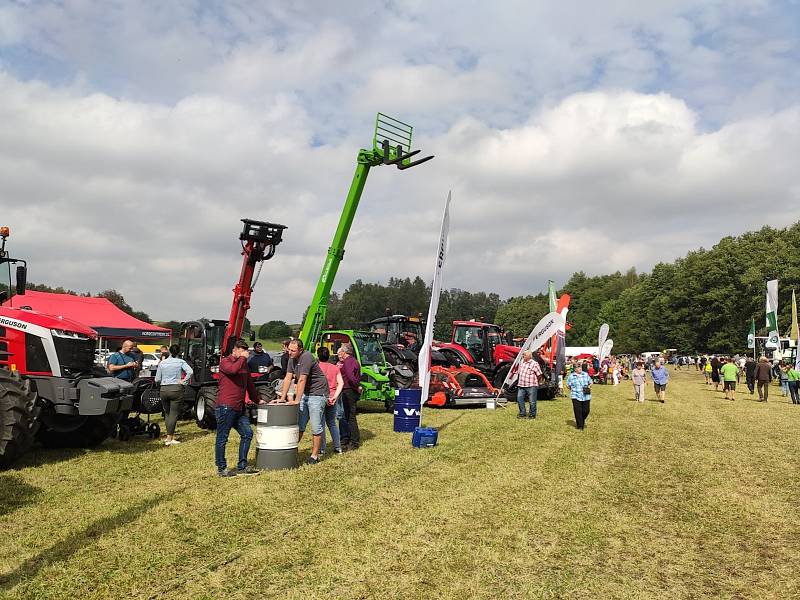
[587, 390]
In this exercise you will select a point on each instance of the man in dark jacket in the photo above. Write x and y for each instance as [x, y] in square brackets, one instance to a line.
[763, 377]
[234, 384]
[750, 374]
[351, 374]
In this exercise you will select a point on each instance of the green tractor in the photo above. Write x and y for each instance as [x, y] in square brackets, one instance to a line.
[378, 377]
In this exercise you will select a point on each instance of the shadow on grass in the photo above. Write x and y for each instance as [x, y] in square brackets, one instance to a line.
[15, 493]
[65, 549]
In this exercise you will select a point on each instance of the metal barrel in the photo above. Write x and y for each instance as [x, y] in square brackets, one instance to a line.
[277, 435]
[407, 405]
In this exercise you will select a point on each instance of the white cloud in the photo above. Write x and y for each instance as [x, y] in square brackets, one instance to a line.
[572, 139]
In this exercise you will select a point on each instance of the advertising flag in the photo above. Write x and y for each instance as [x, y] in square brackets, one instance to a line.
[795, 330]
[551, 294]
[602, 335]
[605, 351]
[772, 314]
[441, 253]
[546, 328]
[751, 337]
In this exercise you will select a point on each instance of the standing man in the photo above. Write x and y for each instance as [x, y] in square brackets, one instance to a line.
[122, 364]
[763, 377]
[660, 377]
[528, 384]
[285, 356]
[311, 388]
[730, 373]
[715, 365]
[259, 358]
[351, 374]
[580, 389]
[750, 374]
[234, 383]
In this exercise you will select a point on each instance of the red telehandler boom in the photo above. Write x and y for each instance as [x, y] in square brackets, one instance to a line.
[204, 342]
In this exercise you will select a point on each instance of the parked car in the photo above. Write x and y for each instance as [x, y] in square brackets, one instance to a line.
[149, 361]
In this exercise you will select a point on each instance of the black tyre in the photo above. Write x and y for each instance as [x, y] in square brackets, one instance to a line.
[154, 431]
[124, 433]
[60, 431]
[510, 392]
[204, 407]
[17, 422]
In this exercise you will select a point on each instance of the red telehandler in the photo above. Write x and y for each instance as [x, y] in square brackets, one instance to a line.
[204, 342]
[49, 388]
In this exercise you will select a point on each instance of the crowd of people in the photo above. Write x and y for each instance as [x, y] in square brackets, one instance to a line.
[326, 393]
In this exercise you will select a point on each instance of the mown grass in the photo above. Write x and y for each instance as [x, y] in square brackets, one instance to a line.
[694, 498]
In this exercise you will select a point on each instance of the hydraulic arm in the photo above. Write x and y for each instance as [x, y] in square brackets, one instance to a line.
[391, 145]
[259, 240]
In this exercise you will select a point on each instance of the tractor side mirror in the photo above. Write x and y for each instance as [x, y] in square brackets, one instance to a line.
[22, 279]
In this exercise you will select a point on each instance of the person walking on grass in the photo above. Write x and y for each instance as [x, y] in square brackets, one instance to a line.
[172, 374]
[793, 375]
[335, 386]
[763, 378]
[750, 374]
[311, 390]
[235, 384]
[715, 365]
[580, 389]
[528, 373]
[639, 378]
[730, 373]
[784, 379]
[707, 372]
[660, 377]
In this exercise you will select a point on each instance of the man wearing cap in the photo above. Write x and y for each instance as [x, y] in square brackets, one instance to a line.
[259, 359]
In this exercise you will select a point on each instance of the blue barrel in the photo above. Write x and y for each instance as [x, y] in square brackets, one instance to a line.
[407, 405]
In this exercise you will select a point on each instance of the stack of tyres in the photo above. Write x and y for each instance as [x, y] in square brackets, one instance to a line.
[277, 436]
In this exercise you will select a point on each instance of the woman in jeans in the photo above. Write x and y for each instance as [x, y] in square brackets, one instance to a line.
[173, 374]
[336, 384]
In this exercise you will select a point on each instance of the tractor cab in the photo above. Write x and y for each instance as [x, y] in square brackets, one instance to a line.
[376, 373]
[481, 340]
[200, 343]
[399, 330]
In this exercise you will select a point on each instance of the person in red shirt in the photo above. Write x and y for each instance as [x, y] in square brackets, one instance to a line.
[528, 374]
[234, 384]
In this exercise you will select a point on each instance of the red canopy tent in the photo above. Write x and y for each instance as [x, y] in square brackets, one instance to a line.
[98, 313]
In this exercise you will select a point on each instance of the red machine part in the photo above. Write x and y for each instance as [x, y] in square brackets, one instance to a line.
[448, 384]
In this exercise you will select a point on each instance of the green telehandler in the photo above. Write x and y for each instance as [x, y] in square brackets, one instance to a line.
[391, 145]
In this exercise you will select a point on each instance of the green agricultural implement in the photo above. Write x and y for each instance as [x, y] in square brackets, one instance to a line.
[391, 145]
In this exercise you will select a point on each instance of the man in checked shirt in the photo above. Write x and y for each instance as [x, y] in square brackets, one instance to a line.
[528, 373]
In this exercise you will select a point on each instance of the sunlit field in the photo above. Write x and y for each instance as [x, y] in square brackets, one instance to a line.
[697, 497]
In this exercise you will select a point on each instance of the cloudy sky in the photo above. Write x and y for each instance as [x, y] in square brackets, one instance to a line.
[574, 135]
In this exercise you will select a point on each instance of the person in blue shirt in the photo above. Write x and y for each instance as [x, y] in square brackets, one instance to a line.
[660, 379]
[259, 358]
[580, 385]
[121, 364]
[173, 374]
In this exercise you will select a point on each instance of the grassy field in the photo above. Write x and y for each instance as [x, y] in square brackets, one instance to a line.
[691, 499]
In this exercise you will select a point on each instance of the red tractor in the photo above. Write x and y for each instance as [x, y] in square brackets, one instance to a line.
[488, 348]
[49, 389]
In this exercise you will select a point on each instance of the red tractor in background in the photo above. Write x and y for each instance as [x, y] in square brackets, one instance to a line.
[49, 387]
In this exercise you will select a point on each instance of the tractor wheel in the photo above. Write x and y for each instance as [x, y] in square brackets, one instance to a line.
[204, 407]
[17, 423]
[77, 432]
[510, 392]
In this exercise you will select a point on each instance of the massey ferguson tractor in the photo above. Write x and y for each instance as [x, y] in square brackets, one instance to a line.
[49, 390]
